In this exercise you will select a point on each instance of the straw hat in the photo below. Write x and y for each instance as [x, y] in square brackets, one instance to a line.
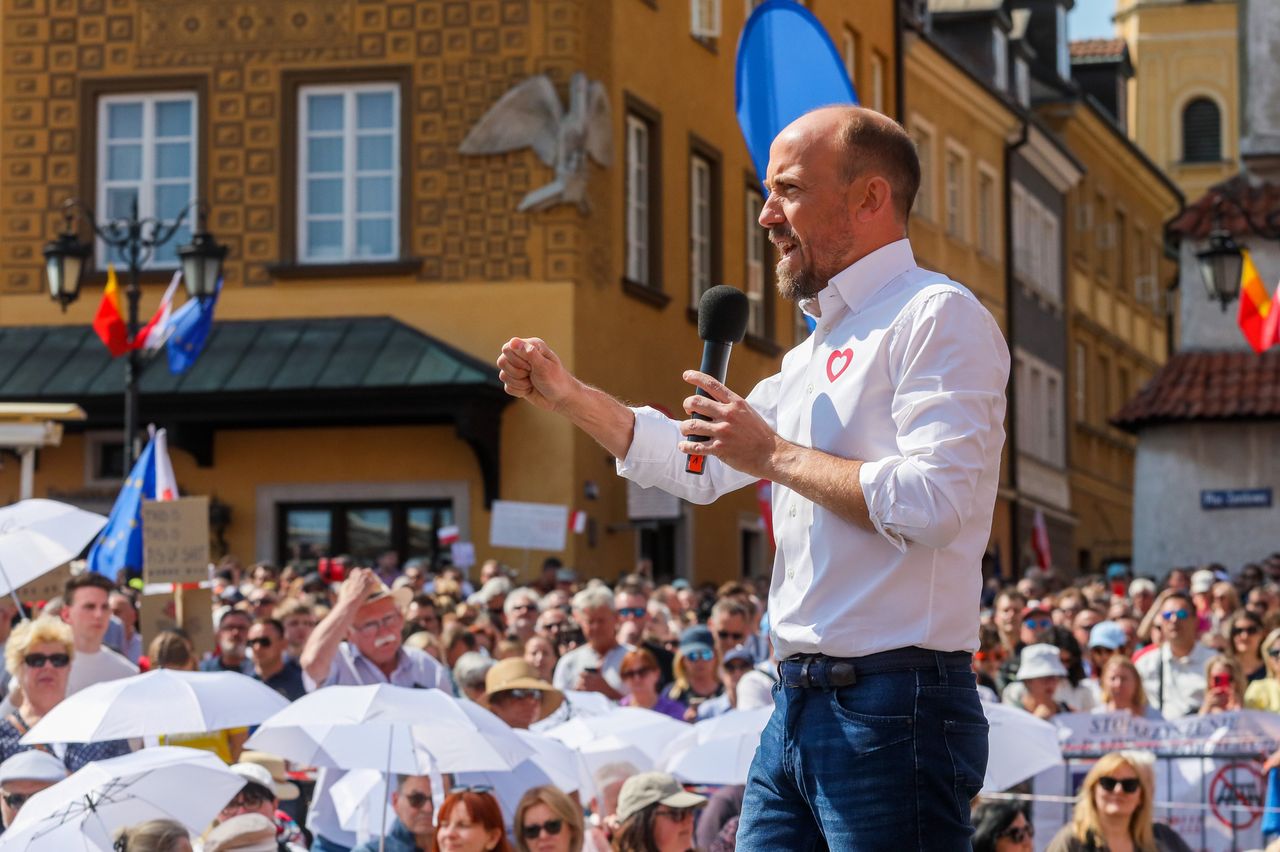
[272, 777]
[517, 673]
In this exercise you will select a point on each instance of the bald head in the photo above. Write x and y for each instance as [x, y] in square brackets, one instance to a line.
[865, 143]
[841, 183]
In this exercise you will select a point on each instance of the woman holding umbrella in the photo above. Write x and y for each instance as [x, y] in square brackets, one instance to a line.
[38, 657]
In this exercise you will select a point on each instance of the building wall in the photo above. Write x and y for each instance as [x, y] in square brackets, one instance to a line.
[476, 273]
[1118, 326]
[1180, 51]
[1177, 461]
[961, 116]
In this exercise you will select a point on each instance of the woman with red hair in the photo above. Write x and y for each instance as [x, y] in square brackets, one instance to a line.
[470, 821]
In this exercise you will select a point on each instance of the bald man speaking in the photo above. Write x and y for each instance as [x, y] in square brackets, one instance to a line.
[882, 434]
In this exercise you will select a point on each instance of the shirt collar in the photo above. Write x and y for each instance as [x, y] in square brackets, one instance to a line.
[855, 284]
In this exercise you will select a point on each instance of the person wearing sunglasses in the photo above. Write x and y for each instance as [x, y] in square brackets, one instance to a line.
[270, 665]
[696, 671]
[655, 814]
[515, 693]
[1114, 809]
[24, 775]
[1264, 694]
[413, 829]
[1173, 674]
[1243, 634]
[38, 657]
[736, 663]
[261, 796]
[548, 821]
[640, 673]
[1001, 826]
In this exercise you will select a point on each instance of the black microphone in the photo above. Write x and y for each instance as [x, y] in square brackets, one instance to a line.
[722, 322]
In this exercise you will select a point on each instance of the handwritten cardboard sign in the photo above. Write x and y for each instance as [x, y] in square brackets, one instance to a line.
[160, 612]
[47, 586]
[175, 540]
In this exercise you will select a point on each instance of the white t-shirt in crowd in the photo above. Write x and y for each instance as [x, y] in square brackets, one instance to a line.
[88, 669]
[585, 657]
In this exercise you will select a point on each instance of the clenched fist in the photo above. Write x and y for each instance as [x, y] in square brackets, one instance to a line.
[530, 370]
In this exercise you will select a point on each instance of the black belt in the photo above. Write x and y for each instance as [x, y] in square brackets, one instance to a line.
[818, 671]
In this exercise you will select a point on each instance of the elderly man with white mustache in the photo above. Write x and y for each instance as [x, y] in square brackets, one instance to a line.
[357, 643]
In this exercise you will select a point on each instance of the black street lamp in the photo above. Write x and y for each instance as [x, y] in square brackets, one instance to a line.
[1220, 265]
[137, 240]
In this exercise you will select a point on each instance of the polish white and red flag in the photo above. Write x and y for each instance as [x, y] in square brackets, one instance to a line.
[159, 328]
[1040, 542]
[166, 483]
[449, 534]
[578, 522]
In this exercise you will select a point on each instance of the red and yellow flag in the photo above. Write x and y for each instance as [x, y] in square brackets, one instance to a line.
[1255, 306]
[109, 321]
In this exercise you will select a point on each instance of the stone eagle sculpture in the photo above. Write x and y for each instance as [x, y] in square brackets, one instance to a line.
[529, 115]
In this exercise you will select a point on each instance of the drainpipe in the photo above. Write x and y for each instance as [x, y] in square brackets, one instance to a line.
[1010, 288]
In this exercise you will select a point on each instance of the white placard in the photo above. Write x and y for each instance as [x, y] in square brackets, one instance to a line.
[528, 526]
[645, 504]
[462, 554]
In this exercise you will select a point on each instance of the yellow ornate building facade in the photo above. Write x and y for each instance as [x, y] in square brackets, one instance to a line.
[347, 400]
[1184, 98]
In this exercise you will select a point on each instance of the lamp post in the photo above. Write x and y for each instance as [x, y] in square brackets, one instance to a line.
[1222, 260]
[137, 240]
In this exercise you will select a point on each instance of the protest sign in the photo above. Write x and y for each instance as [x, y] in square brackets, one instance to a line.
[160, 612]
[47, 586]
[175, 540]
[529, 526]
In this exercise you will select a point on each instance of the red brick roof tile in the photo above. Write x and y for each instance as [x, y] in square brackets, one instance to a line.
[1207, 386]
[1261, 200]
[1098, 49]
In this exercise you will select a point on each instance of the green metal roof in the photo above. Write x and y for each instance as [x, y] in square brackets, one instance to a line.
[70, 362]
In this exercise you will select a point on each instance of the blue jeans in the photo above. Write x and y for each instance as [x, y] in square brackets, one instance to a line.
[320, 844]
[889, 763]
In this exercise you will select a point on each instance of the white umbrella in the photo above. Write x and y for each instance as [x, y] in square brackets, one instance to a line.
[718, 750]
[553, 763]
[81, 813]
[1021, 745]
[644, 730]
[37, 536]
[158, 703]
[390, 728]
[575, 704]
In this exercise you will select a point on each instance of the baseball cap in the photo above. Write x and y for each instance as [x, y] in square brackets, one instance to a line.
[1034, 609]
[654, 788]
[696, 638]
[739, 653]
[1107, 634]
[32, 765]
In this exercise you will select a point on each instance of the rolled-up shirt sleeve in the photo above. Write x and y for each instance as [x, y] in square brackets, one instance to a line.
[655, 461]
[952, 366]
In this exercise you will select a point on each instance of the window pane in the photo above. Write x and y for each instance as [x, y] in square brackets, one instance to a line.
[373, 110]
[324, 240]
[120, 202]
[373, 153]
[324, 195]
[124, 162]
[373, 195]
[171, 198]
[167, 254]
[421, 527]
[124, 121]
[368, 533]
[324, 154]
[173, 160]
[307, 533]
[173, 118]
[324, 112]
[373, 237]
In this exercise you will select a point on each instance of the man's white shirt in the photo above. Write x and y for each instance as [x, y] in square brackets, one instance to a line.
[88, 669]
[1174, 685]
[905, 371]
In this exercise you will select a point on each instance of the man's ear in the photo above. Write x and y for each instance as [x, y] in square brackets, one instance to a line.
[876, 199]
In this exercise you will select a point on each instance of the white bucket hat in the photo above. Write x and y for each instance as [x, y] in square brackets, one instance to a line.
[1041, 660]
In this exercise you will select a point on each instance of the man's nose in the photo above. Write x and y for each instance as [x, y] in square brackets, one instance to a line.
[770, 213]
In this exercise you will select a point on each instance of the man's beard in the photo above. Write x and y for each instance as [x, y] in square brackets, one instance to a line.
[800, 276]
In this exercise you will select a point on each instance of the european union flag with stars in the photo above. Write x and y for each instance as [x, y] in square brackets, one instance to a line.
[120, 543]
[191, 324]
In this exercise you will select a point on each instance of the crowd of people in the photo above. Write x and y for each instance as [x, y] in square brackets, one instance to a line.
[1204, 642]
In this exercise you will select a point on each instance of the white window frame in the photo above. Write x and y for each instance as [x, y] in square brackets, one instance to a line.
[877, 82]
[756, 256]
[849, 53]
[955, 193]
[638, 145]
[350, 175]
[924, 134]
[94, 442]
[1037, 246]
[1000, 57]
[1039, 390]
[988, 220]
[1063, 49]
[146, 185]
[704, 18]
[701, 242]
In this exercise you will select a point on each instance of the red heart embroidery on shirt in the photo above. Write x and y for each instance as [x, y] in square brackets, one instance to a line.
[844, 357]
